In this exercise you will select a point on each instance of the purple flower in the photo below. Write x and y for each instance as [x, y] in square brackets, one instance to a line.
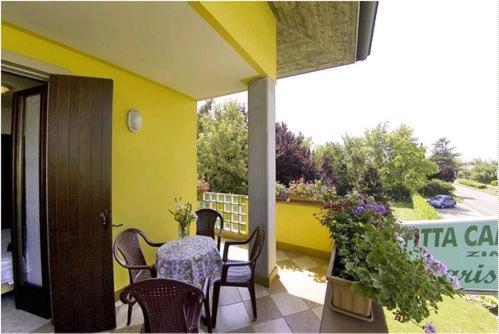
[381, 209]
[442, 267]
[360, 210]
[455, 283]
[429, 328]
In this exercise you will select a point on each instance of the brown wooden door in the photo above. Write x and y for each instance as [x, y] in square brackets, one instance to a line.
[79, 203]
[29, 228]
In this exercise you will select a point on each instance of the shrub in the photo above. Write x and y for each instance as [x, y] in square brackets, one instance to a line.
[281, 192]
[422, 208]
[493, 183]
[370, 184]
[472, 183]
[436, 187]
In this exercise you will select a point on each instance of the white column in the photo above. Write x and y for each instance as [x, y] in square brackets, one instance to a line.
[261, 180]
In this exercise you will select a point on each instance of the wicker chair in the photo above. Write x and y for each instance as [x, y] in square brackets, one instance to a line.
[240, 273]
[126, 246]
[205, 224]
[168, 306]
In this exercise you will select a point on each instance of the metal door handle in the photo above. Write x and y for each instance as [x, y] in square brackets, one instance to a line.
[104, 218]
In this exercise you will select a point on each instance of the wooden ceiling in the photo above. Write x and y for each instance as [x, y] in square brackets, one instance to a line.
[315, 35]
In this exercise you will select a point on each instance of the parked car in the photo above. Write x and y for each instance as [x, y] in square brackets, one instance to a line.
[442, 201]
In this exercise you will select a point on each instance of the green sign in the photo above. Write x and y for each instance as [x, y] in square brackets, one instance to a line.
[467, 247]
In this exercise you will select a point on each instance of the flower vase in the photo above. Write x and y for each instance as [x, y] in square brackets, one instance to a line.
[183, 231]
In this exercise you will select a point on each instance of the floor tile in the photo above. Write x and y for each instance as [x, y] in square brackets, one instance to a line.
[303, 322]
[249, 329]
[273, 326]
[281, 256]
[320, 261]
[318, 311]
[292, 254]
[266, 309]
[311, 304]
[276, 287]
[231, 317]
[288, 304]
[229, 295]
[260, 291]
[305, 262]
[288, 265]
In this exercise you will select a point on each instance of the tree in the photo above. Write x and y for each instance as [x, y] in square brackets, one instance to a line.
[370, 184]
[407, 168]
[293, 156]
[223, 147]
[444, 156]
[483, 171]
[331, 159]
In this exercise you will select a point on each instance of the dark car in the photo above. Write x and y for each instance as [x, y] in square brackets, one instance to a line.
[442, 201]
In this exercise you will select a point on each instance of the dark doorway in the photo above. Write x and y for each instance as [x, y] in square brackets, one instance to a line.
[24, 107]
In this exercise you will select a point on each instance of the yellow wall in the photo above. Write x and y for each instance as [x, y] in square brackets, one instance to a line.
[250, 27]
[297, 226]
[149, 168]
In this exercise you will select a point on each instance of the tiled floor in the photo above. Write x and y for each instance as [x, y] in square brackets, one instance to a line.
[292, 304]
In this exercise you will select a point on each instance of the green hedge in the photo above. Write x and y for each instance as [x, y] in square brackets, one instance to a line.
[493, 183]
[472, 183]
[422, 209]
[436, 187]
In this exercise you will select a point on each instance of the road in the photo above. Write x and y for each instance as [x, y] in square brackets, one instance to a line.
[475, 203]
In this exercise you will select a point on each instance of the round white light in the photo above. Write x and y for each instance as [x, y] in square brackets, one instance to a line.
[134, 120]
[5, 89]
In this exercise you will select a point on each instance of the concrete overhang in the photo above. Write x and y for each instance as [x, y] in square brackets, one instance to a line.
[316, 35]
[166, 42]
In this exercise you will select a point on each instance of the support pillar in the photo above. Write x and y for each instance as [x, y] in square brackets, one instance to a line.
[261, 178]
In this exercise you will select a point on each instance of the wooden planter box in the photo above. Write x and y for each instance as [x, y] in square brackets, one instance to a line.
[344, 300]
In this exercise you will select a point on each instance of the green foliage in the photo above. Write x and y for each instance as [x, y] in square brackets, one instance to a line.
[446, 159]
[483, 171]
[407, 168]
[422, 209]
[436, 187]
[493, 183]
[398, 157]
[370, 184]
[183, 214]
[223, 147]
[472, 183]
[371, 252]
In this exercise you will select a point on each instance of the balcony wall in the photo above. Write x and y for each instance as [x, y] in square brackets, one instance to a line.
[297, 229]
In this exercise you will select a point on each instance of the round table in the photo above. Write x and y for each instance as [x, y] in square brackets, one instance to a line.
[191, 260]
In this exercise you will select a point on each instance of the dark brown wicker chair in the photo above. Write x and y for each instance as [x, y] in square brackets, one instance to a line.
[240, 273]
[127, 252]
[206, 222]
[168, 306]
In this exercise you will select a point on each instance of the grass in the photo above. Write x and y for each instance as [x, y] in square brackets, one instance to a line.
[404, 211]
[454, 316]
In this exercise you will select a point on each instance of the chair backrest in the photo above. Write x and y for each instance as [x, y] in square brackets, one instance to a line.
[127, 244]
[206, 221]
[257, 244]
[168, 306]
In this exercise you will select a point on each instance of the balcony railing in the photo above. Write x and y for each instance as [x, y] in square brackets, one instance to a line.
[232, 207]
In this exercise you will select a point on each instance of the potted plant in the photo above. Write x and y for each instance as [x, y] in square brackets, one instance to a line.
[302, 191]
[183, 215]
[372, 262]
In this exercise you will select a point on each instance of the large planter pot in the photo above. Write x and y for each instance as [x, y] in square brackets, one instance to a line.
[304, 199]
[344, 300]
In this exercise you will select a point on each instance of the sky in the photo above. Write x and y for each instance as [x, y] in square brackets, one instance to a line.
[433, 66]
